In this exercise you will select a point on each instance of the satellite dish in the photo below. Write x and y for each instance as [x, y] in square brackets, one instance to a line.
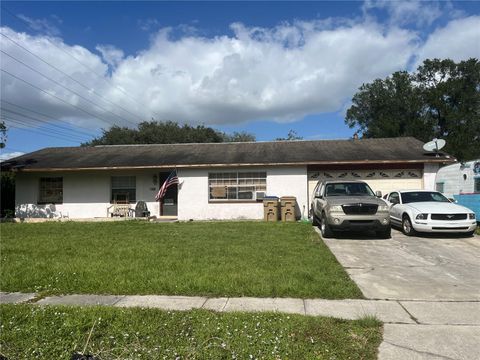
[434, 145]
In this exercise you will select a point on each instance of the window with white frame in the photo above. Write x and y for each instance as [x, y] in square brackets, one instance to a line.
[51, 190]
[476, 185]
[236, 186]
[124, 189]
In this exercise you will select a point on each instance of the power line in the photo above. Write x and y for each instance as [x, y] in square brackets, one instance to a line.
[56, 97]
[53, 131]
[47, 116]
[54, 126]
[70, 77]
[41, 133]
[81, 63]
[64, 87]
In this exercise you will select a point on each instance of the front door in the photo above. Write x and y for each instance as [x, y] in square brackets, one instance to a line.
[169, 203]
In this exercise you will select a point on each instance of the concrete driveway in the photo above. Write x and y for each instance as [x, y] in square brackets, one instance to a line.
[444, 272]
[412, 268]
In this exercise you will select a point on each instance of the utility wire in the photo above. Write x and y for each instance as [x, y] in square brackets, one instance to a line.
[21, 125]
[81, 63]
[56, 97]
[55, 127]
[65, 87]
[38, 132]
[70, 77]
[52, 131]
[48, 117]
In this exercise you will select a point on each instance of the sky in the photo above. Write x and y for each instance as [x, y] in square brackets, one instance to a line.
[71, 69]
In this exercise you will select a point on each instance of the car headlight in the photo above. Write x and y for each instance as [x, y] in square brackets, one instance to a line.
[336, 208]
[382, 208]
[422, 217]
[471, 216]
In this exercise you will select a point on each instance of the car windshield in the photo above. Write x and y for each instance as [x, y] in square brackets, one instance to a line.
[423, 196]
[348, 189]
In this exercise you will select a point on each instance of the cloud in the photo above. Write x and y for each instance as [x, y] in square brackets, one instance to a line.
[42, 26]
[281, 73]
[7, 156]
[148, 24]
[406, 12]
[459, 40]
[110, 54]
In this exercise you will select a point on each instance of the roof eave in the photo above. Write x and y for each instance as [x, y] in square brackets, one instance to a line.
[169, 166]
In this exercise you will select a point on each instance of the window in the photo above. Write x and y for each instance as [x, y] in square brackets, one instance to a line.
[439, 187]
[123, 189]
[394, 198]
[343, 189]
[233, 186]
[476, 186]
[51, 190]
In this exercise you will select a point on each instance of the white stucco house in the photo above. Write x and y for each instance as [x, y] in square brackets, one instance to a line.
[217, 180]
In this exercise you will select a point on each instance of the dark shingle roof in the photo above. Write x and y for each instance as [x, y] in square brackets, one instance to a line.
[389, 150]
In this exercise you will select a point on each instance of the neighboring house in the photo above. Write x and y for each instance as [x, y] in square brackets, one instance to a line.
[461, 181]
[217, 181]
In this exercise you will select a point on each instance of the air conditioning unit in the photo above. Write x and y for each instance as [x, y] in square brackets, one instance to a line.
[260, 195]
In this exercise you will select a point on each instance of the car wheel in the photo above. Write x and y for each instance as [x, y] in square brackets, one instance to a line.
[407, 227]
[385, 234]
[325, 228]
[315, 219]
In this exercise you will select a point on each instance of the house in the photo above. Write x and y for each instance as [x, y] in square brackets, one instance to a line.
[461, 181]
[217, 180]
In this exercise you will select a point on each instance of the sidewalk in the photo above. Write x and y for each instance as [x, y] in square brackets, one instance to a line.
[412, 329]
[388, 311]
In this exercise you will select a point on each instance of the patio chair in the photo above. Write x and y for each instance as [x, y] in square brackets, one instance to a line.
[120, 206]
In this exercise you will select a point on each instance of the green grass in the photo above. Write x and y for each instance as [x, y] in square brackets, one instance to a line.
[213, 259]
[55, 332]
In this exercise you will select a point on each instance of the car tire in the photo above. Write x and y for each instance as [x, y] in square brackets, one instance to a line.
[470, 233]
[384, 234]
[315, 219]
[325, 228]
[407, 227]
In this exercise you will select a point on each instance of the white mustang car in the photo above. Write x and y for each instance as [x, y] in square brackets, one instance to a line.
[428, 211]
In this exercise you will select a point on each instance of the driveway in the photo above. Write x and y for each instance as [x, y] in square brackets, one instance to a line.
[412, 268]
[436, 280]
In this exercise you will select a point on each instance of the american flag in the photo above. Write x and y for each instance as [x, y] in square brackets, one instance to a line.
[171, 180]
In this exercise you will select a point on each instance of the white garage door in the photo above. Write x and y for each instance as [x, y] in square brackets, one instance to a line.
[379, 180]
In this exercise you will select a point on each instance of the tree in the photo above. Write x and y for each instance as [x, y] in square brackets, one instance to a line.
[167, 132]
[3, 134]
[241, 136]
[291, 136]
[441, 99]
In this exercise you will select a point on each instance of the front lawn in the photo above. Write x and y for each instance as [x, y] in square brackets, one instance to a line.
[197, 258]
[54, 332]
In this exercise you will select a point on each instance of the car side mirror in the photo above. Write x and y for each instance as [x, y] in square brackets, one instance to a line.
[318, 196]
[452, 200]
[378, 194]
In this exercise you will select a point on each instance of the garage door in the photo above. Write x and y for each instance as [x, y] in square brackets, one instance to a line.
[382, 180]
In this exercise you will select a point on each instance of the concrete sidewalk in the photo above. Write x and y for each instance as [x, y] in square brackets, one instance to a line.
[413, 329]
[389, 312]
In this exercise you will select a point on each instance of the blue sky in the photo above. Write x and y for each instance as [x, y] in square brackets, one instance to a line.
[262, 67]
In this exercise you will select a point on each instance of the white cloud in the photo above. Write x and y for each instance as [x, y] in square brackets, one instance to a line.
[42, 25]
[459, 40]
[416, 12]
[110, 54]
[6, 156]
[281, 73]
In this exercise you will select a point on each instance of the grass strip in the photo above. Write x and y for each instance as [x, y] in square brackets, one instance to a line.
[55, 332]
